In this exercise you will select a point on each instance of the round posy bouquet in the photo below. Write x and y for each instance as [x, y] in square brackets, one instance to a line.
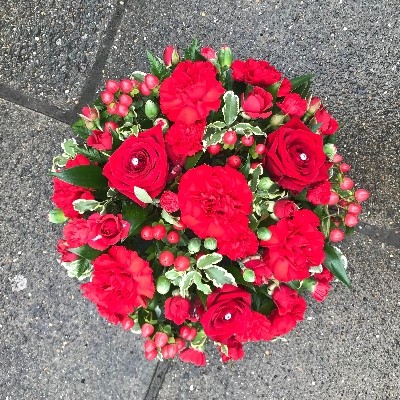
[203, 203]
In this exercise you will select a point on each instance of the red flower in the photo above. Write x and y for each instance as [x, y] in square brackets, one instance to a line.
[260, 268]
[293, 105]
[235, 351]
[294, 157]
[257, 102]
[106, 230]
[329, 124]
[295, 245]
[184, 140]
[209, 53]
[140, 161]
[62, 248]
[169, 201]
[65, 193]
[214, 201]
[285, 88]
[76, 232]
[191, 92]
[193, 356]
[256, 73]
[177, 309]
[238, 243]
[319, 193]
[100, 140]
[122, 281]
[322, 286]
[285, 208]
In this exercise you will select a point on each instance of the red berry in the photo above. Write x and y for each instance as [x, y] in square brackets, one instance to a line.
[350, 220]
[169, 350]
[126, 85]
[361, 195]
[106, 97]
[144, 89]
[337, 158]
[354, 208]
[149, 345]
[121, 110]
[234, 161]
[180, 344]
[192, 334]
[125, 100]
[347, 184]
[198, 255]
[184, 332]
[146, 233]
[336, 235]
[343, 203]
[345, 167]
[127, 323]
[254, 165]
[151, 81]
[159, 231]
[112, 86]
[160, 339]
[173, 237]
[181, 263]
[230, 137]
[166, 258]
[151, 355]
[147, 330]
[110, 125]
[112, 108]
[333, 198]
[214, 149]
[247, 140]
[260, 149]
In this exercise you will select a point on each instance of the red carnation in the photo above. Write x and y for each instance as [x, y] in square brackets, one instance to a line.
[76, 232]
[193, 356]
[169, 201]
[121, 282]
[177, 309]
[256, 73]
[284, 88]
[293, 105]
[214, 201]
[238, 243]
[329, 124]
[256, 103]
[319, 193]
[191, 92]
[100, 140]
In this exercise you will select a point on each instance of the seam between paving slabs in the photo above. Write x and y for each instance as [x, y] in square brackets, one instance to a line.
[157, 380]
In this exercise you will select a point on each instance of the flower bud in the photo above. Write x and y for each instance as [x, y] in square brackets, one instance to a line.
[162, 122]
[265, 183]
[194, 245]
[249, 275]
[150, 109]
[90, 113]
[163, 284]
[284, 208]
[313, 107]
[347, 184]
[170, 56]
[330, 151]
[264, 233]
[350, 220]
[209, 53]
[210, 243]
[337, 158]
[277, 120]
[225, 57]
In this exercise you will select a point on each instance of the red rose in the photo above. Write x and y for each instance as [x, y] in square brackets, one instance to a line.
[293, 105]
[228, 313]
[256, 103]
[65, 193]
[329, 124]
[76, 232]
[169, 201]
[285, 88]
[106, 230]
[140, 161]
[295, 245]
[184, 140]
[256, 73]
[260, 269]
[62, 248]
[121, 282]
[294, 157]
[322, 286]
[325, 275]
[238, 243]
[191, 92]
[235, 351]
[193, 356]
[209, 53]
[177, 309]
[285, 208]
[214, 201]
[319, 193]
[100, 140]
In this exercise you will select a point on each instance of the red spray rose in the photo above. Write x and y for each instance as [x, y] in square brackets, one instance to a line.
[319, 193]
[193, 356]
[256, 103]
[209, 53]
[238, 243]
[322, 286]
[122, 281]
[256, 73]
[295, 245]
[106, 230]
[285, 208]
[177, 309]
[191, 92]
[293, 105]
[76, 232]
[100, 140]
[140, 161]
[62, 248]
[294, 157]
[214, 201]
[329, 124]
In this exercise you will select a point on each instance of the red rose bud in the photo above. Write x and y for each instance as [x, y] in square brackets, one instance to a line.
[247, 140]
[127, 323]
[336, 235]
[144, 89]
[90, 113]
[181, 263]
[320, 290]
[159, 231]
[112, 86]
[234, 161]
[126, 85]
[337, 158]
[361, 195]
[160, 339]
[184, 332]
[163, 284]
[329, 125]
[163, 123]
[151, 355]
[151, 81]
[147, 330]
[354, 208]
[100, 140]
[347, 184]
[209, 53]
[225, 57]
[149, 345]
[256, 103]
[192, 334]
[345, 168]
[313, 107]
[230, 137]
[180, 344]
[106, 97]
[284, 88]
[170, 56]
[284, 208]
[350, 220]
[146, 233]
[166, 258]
[214, 149]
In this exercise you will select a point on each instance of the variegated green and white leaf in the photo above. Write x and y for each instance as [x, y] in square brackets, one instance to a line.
[208, 259]
[69, 146]
[219, 276]
[231, 107]
[169, 218]
[82, 205]
[244, 128]
[185, 283]
[142, 195]
[203, 287]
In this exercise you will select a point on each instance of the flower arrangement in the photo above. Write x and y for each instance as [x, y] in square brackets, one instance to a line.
[203, 201]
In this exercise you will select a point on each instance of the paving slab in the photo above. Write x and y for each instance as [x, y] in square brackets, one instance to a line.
[351, 46]
[53, 345]
[47, 48]
[346, 348]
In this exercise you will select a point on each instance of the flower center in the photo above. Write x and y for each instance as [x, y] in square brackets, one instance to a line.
[135, 161]
[303, 156]
[228, 316]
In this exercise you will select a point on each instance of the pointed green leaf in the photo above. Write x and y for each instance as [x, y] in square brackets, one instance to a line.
[80, 129]
[208, 259]
[219, 276]
[336, 262]
[255, 179]
[87, 176]
[193, 160]
[168, 218]
[86, 252]
[185, 283]
[158, 68]
[82, 205]
[57, 216]
[172, 274]
[142, 195]
[69, 146]
[203, 287]
[302, 84]
[135, 215]
[231, 107]
[193, 51]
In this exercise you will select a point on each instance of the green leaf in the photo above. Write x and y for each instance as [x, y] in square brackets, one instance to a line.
[92, 154]
[245, 169]
[69, 146]
[267, 307]
[185, 283]
[193, 160]
[256, 177]
[214, 138]
[82, 205]
[336, 262]
[200, 339]
[135, 215]
[168, 218]
[86, 252]
[208, 259]
[231, 107]
[302, 84]
[203, 287]
[138, 75]
[57, 216]
[173, 274]
[80, 268]
[244, 128]
[193, 51]
[158, 68]
[142, 195]
[219, 276]
[80, 129]
[87, 176]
